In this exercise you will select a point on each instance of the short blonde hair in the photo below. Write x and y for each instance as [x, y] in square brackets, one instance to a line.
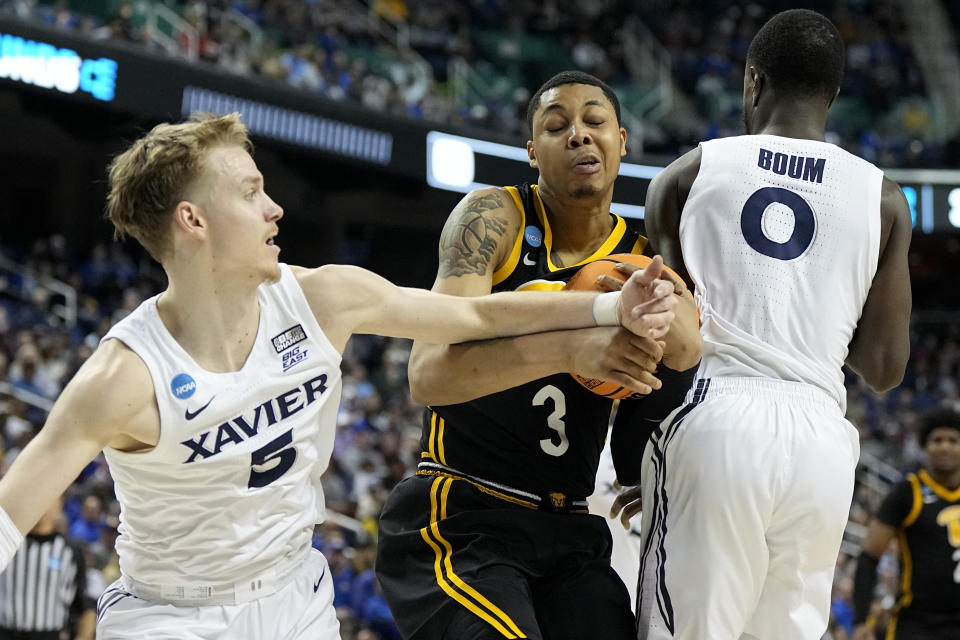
[149, 179]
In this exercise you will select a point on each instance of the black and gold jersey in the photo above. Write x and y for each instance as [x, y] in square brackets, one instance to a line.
[927, 517]
[543, 437]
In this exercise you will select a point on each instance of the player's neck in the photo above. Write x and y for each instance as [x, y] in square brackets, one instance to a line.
[949, 480]
[790, 122]
[214, 323]
[578, 226]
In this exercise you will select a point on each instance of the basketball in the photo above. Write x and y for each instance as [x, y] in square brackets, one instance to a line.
[586, 280]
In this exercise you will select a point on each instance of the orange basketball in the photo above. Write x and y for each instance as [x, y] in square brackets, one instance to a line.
[586, 280]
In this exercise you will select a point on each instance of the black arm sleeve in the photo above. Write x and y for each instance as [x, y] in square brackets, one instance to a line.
[864, 581]
[636, 420]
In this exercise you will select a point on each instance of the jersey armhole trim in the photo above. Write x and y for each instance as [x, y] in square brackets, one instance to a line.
[507, 268]
[917, 502]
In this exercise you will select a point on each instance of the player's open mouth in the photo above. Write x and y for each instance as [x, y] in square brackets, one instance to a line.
[587, 165]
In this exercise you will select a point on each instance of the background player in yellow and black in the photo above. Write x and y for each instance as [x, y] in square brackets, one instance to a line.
[491, 538]
[923, 512]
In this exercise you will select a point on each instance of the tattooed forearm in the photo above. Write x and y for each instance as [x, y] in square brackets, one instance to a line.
[469, 241]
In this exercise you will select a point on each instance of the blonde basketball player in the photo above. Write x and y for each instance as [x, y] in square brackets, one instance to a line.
[798, 253]
[215, 401]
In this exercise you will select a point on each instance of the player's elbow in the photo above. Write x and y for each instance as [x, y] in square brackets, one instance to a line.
[684, 353]
[883, 368]
[884, 381]
[423, 375]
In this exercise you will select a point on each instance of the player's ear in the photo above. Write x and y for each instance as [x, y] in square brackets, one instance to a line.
[187, 218]
[531, 154]
[623, 142]
[758, 83]
[830, 104]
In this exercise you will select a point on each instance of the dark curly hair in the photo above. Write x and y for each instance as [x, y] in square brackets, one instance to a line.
[941, 418]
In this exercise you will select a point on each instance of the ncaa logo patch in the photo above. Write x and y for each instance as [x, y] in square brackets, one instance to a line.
[183, 386]
[533, 236]
[288, 338]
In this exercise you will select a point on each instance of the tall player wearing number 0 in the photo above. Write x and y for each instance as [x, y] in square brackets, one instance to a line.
[216, 401]
[798, 254]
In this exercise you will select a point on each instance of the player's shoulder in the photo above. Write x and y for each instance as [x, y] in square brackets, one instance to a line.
[903, 490]
[329, 279]
[489, 203]
[688, 163]
[109, 394]
[891, 194]
[114, 370]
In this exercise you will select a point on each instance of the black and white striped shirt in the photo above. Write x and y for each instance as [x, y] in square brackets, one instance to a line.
[44, 581]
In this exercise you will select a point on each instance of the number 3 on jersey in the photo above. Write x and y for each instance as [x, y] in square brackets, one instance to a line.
[554, 420]
[751, 223]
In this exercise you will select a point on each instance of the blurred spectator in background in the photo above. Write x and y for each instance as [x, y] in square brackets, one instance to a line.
[462, 63]
[88, 526]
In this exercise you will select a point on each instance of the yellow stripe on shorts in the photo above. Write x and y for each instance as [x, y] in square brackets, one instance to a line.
[443, 568]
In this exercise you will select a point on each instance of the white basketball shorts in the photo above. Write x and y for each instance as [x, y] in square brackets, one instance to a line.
[747, 489]
[301, 610]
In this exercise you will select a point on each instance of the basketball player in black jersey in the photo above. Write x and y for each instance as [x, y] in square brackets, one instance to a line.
[923, 512]
[491, 538]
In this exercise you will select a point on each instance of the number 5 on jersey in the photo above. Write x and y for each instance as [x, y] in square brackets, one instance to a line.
[277, 450]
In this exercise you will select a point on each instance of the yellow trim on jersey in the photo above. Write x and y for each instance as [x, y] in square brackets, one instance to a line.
[615, 236]
[892, 628]
[507, 267]
[939, 489]
[493, 492]
[443, 458]
[443, 568]
[426, 454]
[433, 429]
[639, 245]
[541, 285]
[906, 572]
[917, 502]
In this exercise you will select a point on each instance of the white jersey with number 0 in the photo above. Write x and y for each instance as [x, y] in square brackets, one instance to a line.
[781, 237]
[232, 489]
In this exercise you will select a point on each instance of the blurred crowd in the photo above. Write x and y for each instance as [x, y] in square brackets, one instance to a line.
[377, 438]
[474, 62]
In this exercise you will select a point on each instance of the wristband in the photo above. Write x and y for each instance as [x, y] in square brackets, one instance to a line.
[10, 539]
[606, 309]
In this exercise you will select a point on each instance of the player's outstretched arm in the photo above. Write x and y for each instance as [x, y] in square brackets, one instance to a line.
[363, 302]
[881, 342]
[110, 397]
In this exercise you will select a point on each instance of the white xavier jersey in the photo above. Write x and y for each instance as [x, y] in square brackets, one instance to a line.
[232, 489]
[781, 237]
